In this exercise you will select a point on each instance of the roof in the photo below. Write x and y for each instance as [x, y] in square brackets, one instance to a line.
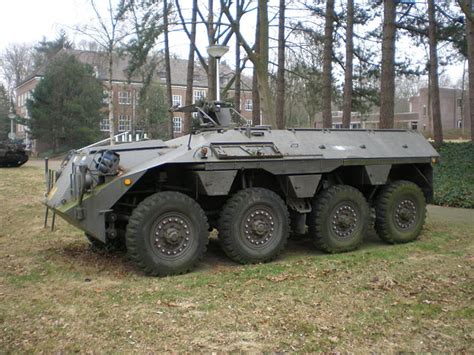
[99, 61]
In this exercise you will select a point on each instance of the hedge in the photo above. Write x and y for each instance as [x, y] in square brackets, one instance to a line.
[454, 175]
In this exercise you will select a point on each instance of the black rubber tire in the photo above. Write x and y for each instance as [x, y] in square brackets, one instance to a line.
[145, 224]
[326, 207]
[389, 224]
[233, 228]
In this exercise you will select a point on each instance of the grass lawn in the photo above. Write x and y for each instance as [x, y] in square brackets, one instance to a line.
[58, 295]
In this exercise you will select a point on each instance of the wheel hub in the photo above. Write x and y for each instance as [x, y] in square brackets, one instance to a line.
[171, 235]
[344, 221]
[259, 226]
[405, 214]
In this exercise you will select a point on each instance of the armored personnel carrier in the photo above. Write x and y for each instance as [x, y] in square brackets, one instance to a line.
[255, 185]
[12, 154]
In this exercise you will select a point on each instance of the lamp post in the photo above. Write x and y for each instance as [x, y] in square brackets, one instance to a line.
[11, 116]
[217, 51]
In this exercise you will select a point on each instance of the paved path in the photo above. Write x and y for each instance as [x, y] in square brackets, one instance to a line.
[451, 214]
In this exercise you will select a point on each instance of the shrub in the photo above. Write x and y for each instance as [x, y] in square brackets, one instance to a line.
[454, 175]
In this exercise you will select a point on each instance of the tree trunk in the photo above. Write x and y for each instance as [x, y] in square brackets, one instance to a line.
[238, 84]
[347, 101]
[266, 98]
[212, 62]
[434, 88]
[387, 79]
[280, 84]
[327, 64]
[470, 56]
[169, 92]
[190, 72]
[256, 112]
[111, 100]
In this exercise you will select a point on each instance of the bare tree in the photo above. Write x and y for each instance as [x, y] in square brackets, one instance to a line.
[327, 64]
[190, 70]
[387, 88]
[169, 92]
[466, 6]
[434, 84]
[280, 84]
[16, 64]
[108, 34]
[238, 84]
[259, 59]
[347, 101]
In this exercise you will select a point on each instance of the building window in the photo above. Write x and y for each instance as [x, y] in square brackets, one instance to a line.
[459, 102]
[176, 100]
[177, 124]
[337, 125]
[355, 125]
[105, 97]
[104, 125]
[199, 95]
[248, 105]
[424, 110]
[414, 124]
[125, 98]
[125, 123]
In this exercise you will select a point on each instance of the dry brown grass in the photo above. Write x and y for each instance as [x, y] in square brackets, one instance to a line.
[58, 295]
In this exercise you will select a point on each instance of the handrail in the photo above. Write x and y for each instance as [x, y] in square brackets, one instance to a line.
[126, 135]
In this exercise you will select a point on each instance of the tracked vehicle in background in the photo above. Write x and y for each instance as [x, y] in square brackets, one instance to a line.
[255, 185]
[12, 154]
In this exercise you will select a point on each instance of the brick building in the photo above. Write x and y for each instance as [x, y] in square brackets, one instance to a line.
[125, 91]
[454, 109]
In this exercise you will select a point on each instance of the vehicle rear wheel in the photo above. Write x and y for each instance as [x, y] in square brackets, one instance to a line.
[339, 219]
[254, 226]
[400, 212]
[167, 234]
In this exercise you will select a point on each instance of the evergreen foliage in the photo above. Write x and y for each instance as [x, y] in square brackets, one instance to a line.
[66, 105]
[454, 175]
[153, 111]
[4, 110]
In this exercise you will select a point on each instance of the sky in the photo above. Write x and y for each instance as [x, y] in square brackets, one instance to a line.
[28, 21]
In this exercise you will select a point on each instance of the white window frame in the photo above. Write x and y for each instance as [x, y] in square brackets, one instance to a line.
[177, 100]
[125, 97]
[248, 105]
[124, 123]
[104, 125]
[198, 94]
[177, 124]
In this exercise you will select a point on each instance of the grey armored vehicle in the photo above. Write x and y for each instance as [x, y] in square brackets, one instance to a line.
[12, 154]
[255, 185]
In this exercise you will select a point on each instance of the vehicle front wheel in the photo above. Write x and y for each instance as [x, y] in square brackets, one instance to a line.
[167, 234]
[400, 211]
[339, 219]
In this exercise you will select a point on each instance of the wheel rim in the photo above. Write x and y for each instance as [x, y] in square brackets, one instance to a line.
[259, 226]
[171, 234]
[344, 220]
[405, 214]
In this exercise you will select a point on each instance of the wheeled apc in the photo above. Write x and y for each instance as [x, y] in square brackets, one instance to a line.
[12, 154]
[255, 185]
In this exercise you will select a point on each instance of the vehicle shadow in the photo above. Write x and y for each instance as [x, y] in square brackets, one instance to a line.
[81, 256]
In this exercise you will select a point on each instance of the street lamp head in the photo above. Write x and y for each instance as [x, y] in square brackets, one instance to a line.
[217, 51]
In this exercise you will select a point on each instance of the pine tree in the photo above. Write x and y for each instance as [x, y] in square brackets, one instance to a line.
[66, 106]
